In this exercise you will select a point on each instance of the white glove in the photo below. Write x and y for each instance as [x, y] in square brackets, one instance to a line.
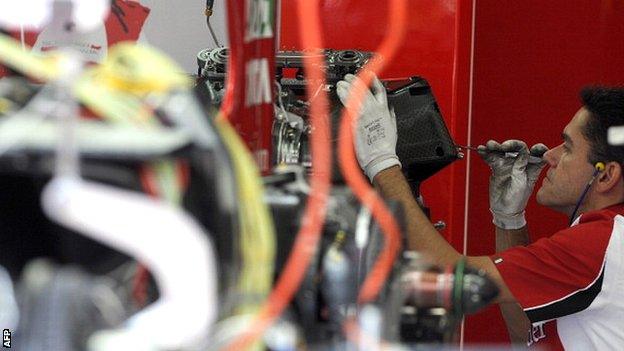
[376, 131]
[512, 179]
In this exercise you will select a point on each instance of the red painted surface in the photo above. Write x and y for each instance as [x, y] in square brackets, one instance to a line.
[249, 56]
[531, 59]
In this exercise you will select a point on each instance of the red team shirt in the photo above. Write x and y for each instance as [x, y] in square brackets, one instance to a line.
[571, 285]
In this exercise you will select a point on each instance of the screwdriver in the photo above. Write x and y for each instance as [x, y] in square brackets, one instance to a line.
[532, 159]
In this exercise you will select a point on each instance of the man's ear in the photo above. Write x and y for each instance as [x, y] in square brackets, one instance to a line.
[609, 177]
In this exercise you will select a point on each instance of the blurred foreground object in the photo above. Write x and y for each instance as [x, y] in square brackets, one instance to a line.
[426, 302]
[178, 242]
[121, 20]
[34, 14]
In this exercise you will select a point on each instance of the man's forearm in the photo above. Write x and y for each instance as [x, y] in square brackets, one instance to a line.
[508, 238]
[421, 235]
[517, 322]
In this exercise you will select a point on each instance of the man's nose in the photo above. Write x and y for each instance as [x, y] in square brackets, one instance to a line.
[552, 156]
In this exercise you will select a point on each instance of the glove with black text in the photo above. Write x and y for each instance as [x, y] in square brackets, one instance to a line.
[376, 131]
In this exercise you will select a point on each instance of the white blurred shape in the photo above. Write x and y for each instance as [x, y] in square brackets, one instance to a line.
[615, 135]
[88, 14]
[34, 14]
[31, 14]
[168, 240]
[370, 326]
[9, 312]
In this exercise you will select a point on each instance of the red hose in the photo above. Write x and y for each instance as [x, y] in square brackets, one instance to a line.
[314, 216]
[348, 164]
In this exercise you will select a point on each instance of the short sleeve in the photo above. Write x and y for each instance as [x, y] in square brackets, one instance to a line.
[558, 275]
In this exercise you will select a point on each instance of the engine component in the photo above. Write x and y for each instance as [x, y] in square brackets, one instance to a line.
[328, 293]
[424, 144]
[212, 64]
[427, 301]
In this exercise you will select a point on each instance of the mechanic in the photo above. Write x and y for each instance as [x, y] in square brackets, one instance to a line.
[569, 285]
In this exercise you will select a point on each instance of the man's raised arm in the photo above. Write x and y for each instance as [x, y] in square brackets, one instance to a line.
[375, 144]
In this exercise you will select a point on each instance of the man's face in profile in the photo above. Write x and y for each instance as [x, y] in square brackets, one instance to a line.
[569, 168]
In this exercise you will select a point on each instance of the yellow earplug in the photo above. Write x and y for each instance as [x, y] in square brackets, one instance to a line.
[600, 166]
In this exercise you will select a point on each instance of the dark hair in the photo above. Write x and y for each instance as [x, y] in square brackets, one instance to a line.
[606, 109]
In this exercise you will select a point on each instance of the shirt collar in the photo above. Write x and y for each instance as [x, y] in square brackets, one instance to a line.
[617, 208]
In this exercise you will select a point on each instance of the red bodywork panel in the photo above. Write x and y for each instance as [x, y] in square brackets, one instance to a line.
[249, 97]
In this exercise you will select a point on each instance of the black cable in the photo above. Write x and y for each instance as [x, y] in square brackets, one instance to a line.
[578, 204]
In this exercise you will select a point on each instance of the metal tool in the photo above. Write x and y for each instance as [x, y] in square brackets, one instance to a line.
[532, 159]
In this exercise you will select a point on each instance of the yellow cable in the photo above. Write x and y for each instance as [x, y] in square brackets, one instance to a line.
[258, 241]
[117, 88]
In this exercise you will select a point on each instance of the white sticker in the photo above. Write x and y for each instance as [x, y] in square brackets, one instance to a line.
[92, 44]
[259, 19]
[258, 90]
